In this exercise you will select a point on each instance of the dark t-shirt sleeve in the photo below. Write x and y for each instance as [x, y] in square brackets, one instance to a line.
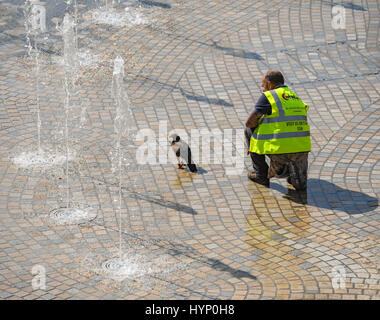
[263, 106]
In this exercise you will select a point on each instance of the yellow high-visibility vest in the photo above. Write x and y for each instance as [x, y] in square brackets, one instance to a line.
[286, 130]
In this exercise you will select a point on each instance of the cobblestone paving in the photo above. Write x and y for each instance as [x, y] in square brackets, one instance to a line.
[196, 64]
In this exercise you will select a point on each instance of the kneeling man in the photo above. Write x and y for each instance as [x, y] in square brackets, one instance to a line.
[278, 128]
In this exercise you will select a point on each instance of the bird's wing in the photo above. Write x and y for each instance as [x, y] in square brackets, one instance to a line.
[184, 151]
[188, 155]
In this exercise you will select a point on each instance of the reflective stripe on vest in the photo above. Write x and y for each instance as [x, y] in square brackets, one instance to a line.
[282, 117]
[280, 135]
[279, 104]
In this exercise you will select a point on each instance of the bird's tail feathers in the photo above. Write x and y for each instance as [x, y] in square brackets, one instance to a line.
[192, 167]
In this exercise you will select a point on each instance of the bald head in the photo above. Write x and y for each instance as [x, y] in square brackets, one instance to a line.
[272, 79]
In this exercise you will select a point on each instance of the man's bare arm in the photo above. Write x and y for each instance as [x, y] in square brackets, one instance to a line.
[253, 119]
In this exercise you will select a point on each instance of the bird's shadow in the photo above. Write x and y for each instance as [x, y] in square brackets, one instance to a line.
[324, 194]
[193, 97]
[347, 5]
[163, 203]
[156, 4]
[188, 95]
[239, 274]
[239, 53]
[201, 170]
[212, 262]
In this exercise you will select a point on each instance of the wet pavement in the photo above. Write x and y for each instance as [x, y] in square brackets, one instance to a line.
[212, 235]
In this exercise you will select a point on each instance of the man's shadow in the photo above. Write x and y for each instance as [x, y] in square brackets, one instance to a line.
[324, 194]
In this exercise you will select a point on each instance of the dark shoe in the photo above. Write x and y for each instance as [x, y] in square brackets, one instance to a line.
[296, 179]
[253, 177]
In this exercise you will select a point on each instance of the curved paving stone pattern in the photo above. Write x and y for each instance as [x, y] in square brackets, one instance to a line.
[195, 64]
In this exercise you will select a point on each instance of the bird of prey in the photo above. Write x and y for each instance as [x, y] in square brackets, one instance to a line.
[182, 152]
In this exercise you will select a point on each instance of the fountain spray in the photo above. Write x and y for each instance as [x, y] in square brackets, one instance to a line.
[35, 29]
[35, 21]
[120, 267]
[71, 66]
[121, 122]
[70, 214]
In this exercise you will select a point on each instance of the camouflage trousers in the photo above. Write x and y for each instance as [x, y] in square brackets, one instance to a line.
[288, 165]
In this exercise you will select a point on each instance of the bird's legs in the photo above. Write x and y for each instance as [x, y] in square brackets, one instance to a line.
[181, 165]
